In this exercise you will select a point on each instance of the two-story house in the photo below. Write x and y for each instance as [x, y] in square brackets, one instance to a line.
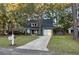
[39, 27]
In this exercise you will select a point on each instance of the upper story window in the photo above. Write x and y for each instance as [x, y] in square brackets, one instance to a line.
[34, 24]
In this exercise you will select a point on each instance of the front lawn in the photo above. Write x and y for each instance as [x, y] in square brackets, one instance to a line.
[64, 45]
[20, 40]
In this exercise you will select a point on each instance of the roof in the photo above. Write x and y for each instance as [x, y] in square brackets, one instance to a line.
[33, 20]
[47, 23]
[71, 28]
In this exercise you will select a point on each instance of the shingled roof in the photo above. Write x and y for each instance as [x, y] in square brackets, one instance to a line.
[47, 23]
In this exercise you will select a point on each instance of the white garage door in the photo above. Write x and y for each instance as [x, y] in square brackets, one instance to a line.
[47, 32]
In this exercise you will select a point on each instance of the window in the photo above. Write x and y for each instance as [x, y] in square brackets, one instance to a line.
[77, 14]
[34, 24]
[77, 5]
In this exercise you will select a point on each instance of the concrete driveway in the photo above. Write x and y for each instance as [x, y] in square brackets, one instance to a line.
[38, 44]
[15, 51]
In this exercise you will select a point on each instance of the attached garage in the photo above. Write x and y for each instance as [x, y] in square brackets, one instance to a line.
[47, 32]
[47, 27]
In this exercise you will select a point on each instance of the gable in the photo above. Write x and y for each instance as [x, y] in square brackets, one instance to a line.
[32, 23]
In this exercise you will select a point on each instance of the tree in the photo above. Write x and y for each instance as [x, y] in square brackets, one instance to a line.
[19, 13]
[75, 22]
[62, 14]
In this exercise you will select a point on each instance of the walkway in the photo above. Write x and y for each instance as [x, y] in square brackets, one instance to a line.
[38, 44]
[13, 51]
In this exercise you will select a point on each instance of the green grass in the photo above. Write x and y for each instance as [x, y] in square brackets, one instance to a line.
[64, 44]
[20, 40]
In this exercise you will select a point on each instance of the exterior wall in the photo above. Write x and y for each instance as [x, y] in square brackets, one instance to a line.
[34, 31]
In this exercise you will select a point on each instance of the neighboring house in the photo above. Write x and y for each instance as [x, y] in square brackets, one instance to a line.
[70, 30]
[39, 27]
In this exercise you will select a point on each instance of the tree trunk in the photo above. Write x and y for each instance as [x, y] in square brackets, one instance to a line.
[75, 24]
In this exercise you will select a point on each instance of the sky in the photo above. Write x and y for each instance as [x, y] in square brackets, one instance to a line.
[39, 1]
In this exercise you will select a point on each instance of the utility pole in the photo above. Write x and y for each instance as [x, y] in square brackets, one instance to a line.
[75, 21]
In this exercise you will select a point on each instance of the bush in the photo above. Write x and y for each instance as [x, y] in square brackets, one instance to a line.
[58, 30]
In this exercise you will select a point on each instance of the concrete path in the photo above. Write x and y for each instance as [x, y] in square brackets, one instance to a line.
[38, 44]
[14, 51]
